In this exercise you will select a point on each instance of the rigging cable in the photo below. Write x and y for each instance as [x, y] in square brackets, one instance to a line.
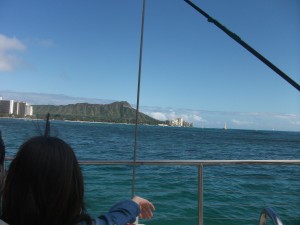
[245, 45]
[138, 100]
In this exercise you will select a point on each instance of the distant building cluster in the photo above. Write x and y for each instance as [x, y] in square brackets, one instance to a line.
[15, 108]
[179, 122]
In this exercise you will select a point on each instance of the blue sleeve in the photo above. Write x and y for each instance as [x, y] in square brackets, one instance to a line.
[120, 214]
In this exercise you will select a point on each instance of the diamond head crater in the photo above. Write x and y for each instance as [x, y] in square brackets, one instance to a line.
[116, 112]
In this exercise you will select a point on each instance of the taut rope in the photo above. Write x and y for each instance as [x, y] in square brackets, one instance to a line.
[246, 46]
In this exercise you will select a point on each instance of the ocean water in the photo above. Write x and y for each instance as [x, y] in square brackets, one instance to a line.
[233, 194]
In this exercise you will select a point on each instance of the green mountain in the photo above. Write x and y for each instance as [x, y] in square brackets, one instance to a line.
[117, 112]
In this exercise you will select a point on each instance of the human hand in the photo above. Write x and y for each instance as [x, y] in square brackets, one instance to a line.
[146, 207]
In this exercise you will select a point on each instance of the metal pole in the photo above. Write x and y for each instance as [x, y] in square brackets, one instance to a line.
[200, 194]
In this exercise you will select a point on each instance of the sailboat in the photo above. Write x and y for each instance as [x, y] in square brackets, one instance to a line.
[225, 126]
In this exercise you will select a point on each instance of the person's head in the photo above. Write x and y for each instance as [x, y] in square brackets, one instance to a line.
[44, 185]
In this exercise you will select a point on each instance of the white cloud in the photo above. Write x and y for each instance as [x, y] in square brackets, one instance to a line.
[162, 115]
[10, 44]
[241, 122]
[8, 60]
[197, 118]
[158, 115]
[289, 118]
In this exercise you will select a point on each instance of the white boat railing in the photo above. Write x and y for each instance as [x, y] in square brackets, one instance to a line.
[200, 164]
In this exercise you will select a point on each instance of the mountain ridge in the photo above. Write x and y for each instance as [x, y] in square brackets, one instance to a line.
[116, 112]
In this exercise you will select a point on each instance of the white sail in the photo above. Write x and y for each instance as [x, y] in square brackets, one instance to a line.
[225, 126]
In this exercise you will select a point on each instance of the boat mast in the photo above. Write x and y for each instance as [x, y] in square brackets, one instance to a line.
[245, 45]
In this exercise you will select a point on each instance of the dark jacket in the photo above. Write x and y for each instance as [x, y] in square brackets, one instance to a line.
[120, 214]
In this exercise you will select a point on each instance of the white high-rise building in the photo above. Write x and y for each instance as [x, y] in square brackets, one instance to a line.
[11, 107]
[16, 108]
[28, 110]
[7, 106]
[22, 109]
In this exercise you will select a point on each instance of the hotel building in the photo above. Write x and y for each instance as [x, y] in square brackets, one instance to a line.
[11, 107]
[179, 122]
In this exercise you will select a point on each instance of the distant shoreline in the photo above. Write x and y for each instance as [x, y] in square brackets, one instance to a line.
[72, 121]
[201, 128]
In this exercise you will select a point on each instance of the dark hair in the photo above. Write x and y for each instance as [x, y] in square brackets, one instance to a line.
[44, 185]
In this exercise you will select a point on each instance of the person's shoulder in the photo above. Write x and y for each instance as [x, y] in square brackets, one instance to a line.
[2, 222]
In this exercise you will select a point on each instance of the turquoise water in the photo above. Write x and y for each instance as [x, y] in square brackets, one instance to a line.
[232, 194]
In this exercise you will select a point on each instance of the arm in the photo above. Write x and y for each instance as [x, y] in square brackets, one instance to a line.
[126, 212]
[120, 214]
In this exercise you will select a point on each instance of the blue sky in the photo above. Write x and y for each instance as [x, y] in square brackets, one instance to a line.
[90, 49]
